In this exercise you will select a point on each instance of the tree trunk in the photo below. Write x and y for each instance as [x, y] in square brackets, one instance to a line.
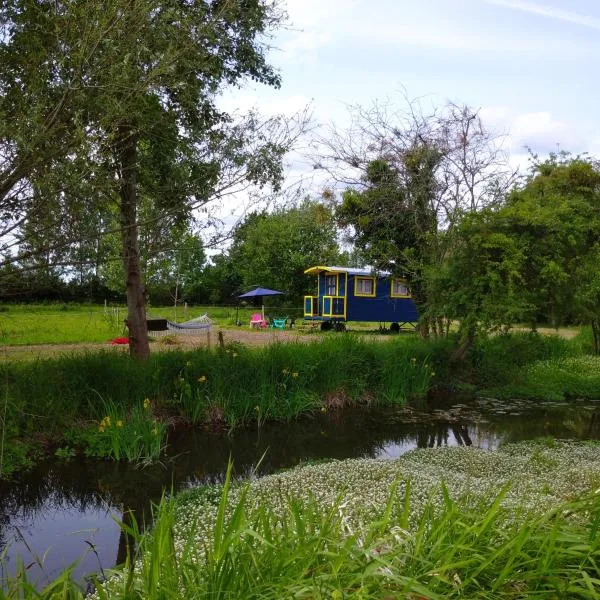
[136, 301]
[596, 334]
[418, 297]
[460, 353]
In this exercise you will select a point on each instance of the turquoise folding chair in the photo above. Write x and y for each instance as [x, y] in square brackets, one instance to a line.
[278, 322]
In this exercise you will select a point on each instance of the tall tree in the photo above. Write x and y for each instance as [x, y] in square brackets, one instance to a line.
[535, 257]
[273, 249]
[410, 174]
[123, 93]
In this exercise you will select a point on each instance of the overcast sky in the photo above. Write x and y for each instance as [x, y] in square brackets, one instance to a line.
[530, 66]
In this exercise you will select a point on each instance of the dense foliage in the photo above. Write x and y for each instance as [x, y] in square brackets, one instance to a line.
[235, 385]
[273, 250]
[534, 258]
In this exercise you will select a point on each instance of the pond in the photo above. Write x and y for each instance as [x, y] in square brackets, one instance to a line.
[65, 511]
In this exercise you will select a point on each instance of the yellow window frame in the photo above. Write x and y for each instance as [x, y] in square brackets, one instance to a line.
[402, 282]
[331, 302]
[359, 294]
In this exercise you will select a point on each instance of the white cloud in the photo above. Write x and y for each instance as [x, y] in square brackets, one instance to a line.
[550, 12]
[315, 25]
[541, 131]
[312, 24]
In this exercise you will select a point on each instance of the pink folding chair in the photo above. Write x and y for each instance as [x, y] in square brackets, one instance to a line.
[256, 320]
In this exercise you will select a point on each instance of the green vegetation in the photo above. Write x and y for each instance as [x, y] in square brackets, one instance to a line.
[234, 385]
[111, 169]
[226, 386]
[132, 434]
[520, 522]
[273, 249]
[109, 161]
[533, 257]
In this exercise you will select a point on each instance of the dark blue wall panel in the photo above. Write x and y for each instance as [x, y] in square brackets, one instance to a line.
[382, 308]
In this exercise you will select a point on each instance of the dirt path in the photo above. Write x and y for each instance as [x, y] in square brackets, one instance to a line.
[175, 342]
[564, 332]
[189, 342]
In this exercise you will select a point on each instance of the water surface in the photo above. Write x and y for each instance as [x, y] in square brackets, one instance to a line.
[67, 511]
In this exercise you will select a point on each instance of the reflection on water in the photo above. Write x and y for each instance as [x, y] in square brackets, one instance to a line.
[69, 508]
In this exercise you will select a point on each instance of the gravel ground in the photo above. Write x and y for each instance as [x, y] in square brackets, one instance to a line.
[185, 342]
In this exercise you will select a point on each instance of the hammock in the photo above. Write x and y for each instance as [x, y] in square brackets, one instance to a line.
[201, 323]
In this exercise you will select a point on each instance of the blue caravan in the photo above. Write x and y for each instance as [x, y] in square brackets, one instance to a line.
[347, 294]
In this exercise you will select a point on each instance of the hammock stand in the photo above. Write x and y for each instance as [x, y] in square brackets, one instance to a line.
[159, 327]
[191, 327]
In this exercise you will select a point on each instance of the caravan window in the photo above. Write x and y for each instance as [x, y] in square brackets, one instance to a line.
[331, 285]
[364, 286]
[400, 289]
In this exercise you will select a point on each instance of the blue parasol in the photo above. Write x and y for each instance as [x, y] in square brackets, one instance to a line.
[260, 292]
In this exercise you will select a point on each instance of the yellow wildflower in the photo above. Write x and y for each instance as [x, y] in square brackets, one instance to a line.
[119, 423]
[146, 403]
[294, 375]
[188, 363]
[154, 431]
[433, 373]
[234, 354]
[202, 379]
[285, 371]
[101, 428]
[256, 408]
[323, 409]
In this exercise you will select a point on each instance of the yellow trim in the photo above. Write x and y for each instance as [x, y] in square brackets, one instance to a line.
[314, 270]
[331, 313]
[356, 293]
[309, 314]
[401, 281]
[345, 295]
[323, 269]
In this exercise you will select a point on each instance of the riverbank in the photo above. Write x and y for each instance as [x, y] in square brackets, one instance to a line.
[445, 523]
[105, 405]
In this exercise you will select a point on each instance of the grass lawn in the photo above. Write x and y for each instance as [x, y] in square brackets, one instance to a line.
[22, 325]
[72, 324]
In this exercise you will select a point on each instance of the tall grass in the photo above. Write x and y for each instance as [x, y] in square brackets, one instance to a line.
[465, 548]
[224, 386]
[495, 360]
[232, 385]
[134, 435]
[555, 379]
[459, 550]
[529, 365]
[281, 379]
